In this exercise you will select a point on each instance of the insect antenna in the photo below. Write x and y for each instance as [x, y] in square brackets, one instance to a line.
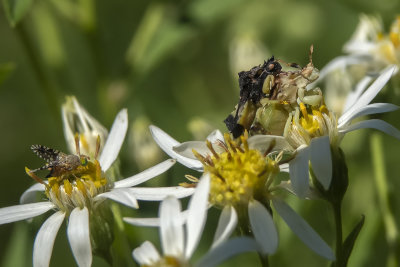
[311, 52]
[291, 65]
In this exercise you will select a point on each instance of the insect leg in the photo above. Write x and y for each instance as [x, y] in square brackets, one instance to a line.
[34, 176]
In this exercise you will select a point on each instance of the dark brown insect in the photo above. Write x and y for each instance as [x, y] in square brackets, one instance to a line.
[58, 162]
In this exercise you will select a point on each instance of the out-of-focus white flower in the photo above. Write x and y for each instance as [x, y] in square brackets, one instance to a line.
[180, 236]
[369, 40]
[312, 132]
[245, 51]
[144, 151]
[76, 195]
[242, 178]
[199, 127]
[370, 50]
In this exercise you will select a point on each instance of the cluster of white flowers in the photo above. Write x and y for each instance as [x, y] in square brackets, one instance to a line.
[370, 50]
[237, 174]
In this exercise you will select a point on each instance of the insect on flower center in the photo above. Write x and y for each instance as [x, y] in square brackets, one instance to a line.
[73, 180]
[238, 174]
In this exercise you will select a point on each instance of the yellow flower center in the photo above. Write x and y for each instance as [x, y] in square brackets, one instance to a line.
[77, 187]
[310, 121]
[238, 174]
[307, 123]
[388, 45]
[394, 34]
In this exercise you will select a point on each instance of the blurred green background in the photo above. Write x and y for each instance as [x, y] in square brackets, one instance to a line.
[174, 64]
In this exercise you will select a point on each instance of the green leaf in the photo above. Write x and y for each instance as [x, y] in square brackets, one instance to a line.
[5, 71]
[16, 9]
[351, 239]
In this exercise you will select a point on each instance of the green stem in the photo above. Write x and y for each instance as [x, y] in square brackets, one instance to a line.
[380, 177]
[263, 259]
[337, 212]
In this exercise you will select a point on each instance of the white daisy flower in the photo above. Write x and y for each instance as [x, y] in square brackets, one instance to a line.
[370, 50]
[314, 131]
[242, 185]
[179, 241]
[369, 40]
[75, 196]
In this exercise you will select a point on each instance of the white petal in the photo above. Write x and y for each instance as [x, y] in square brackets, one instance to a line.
[353, 96]
[304, 231]
[298, 170]
[263, 142]
[81, 114]
[68, 133]
[171, 227]
[114, 141]
[369, 109]
[25, 211]
[215, 136]
[287, 185]
[145, 175]
[373, 124]
[197, 215]
[263, 227]
[121, 195]
[149, 222]
[79, 236]
[146, 254]
[337, 63]
[186, 149]
[228, 249]
[30, 194]
[152, 222]
[226, 224]
[89, 123]
[321, 160]
[370, 93]
[159, 193]
[166, 143]
[45, 238]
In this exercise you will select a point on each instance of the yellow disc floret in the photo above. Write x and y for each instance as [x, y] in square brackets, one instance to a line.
[306, 123]
[238, 174]
[76, 188]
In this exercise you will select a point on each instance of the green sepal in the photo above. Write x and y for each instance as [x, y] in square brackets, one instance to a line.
[102, 231]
